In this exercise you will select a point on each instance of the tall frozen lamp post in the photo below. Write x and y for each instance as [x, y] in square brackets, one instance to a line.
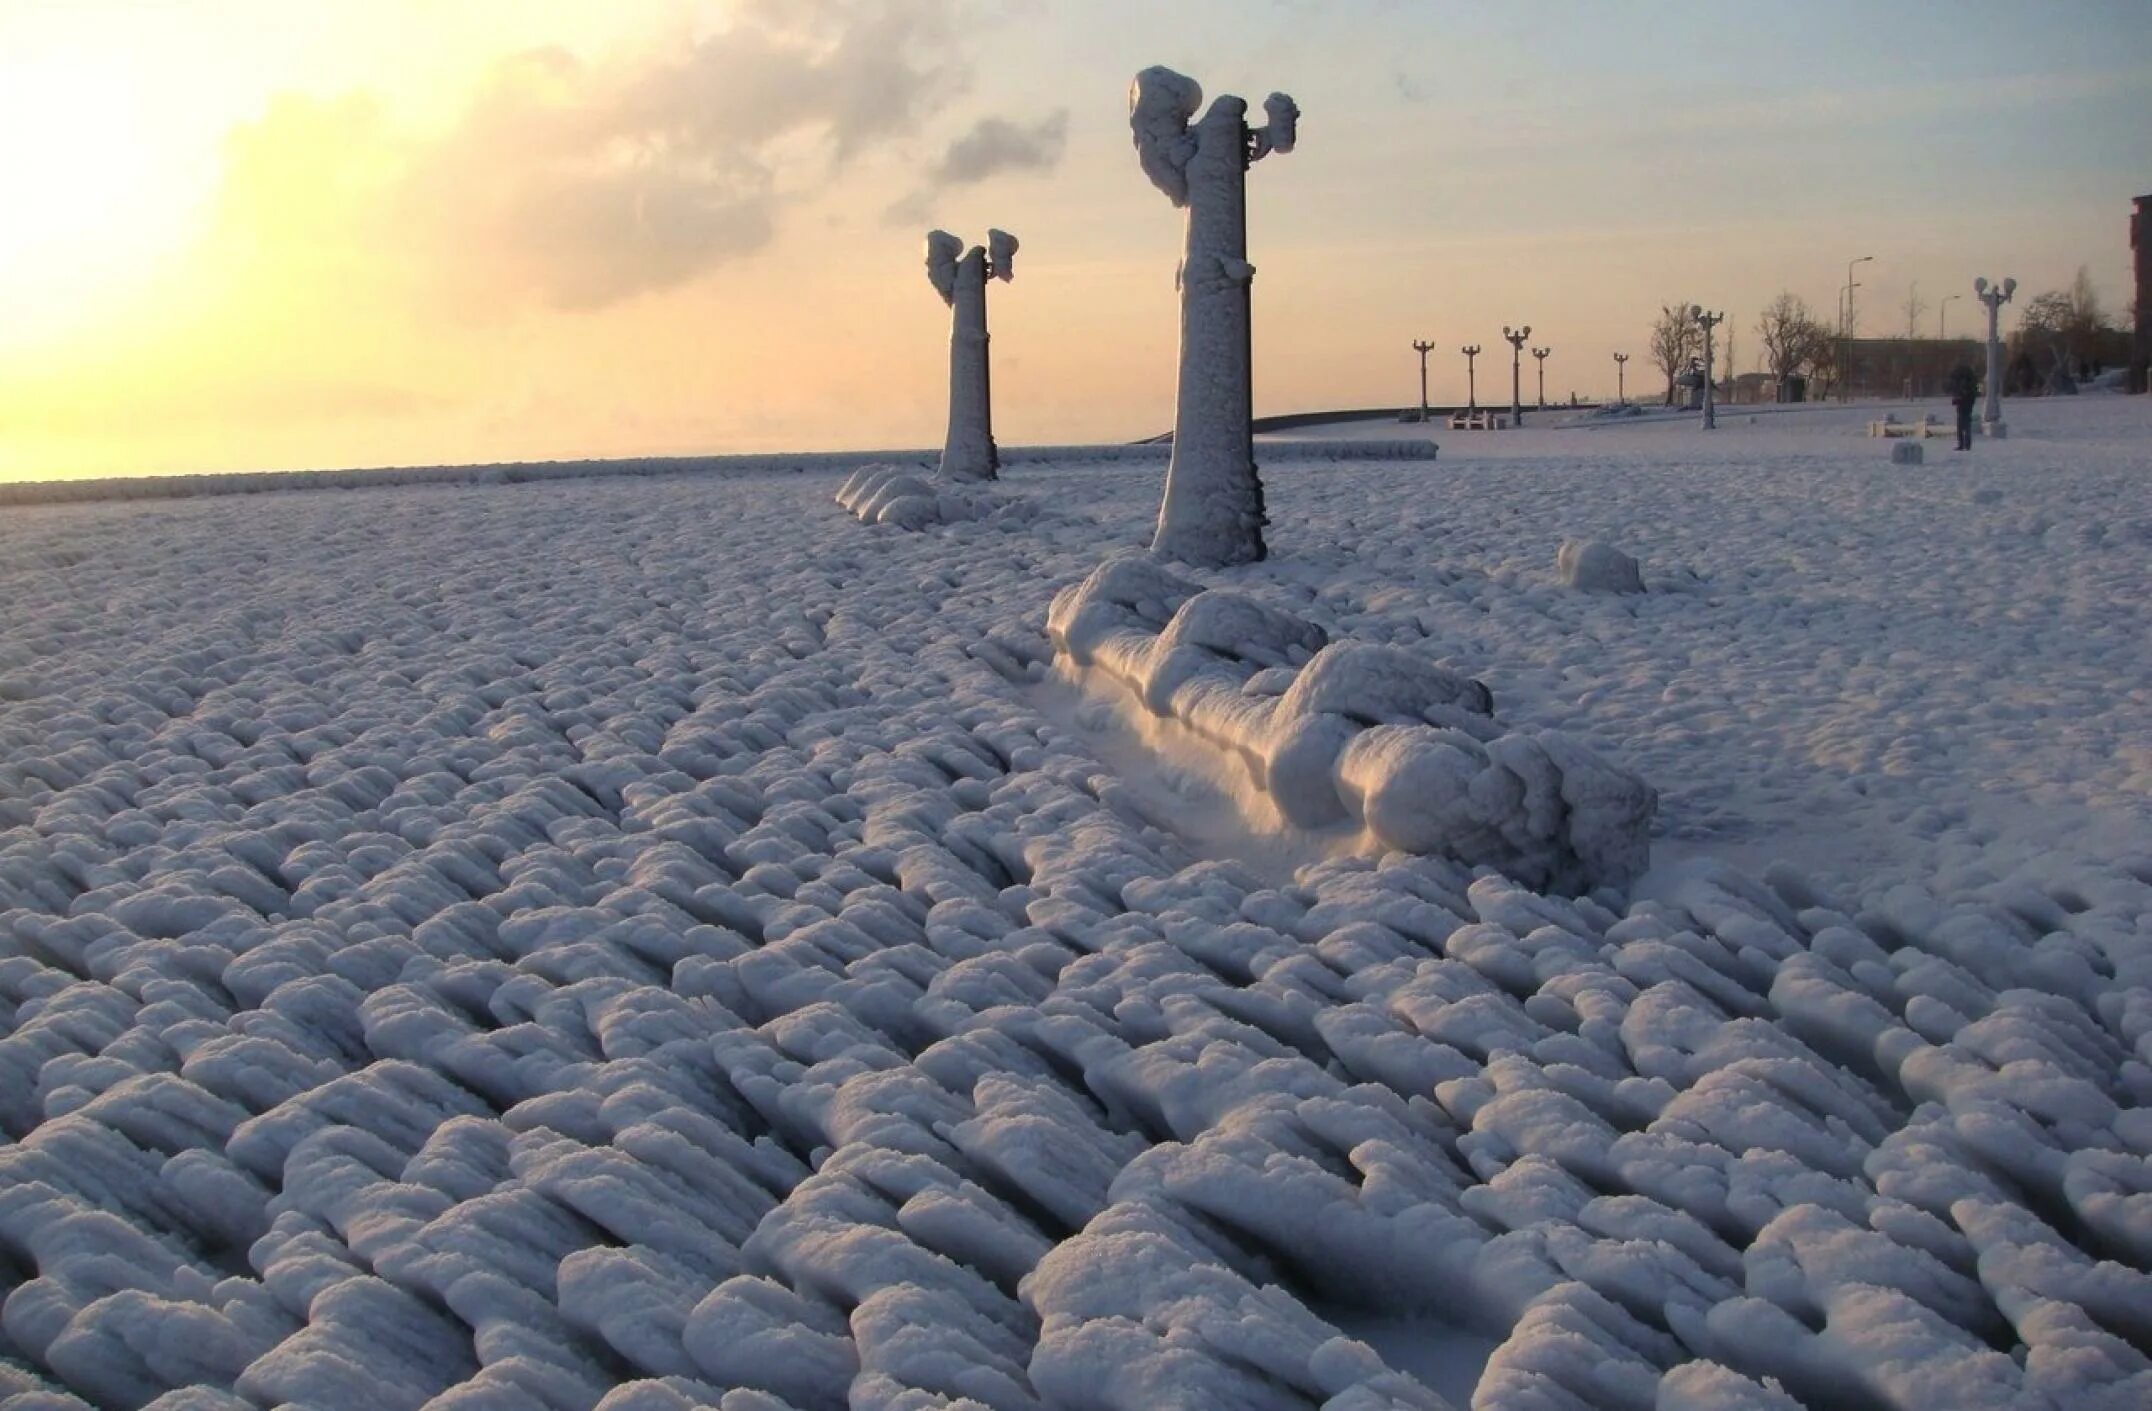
[1517, 337]
[1540, 356]
[1994, 296]
[1471, 351]
[960, 276]
[1423, 348]
[1845, 371]
[1213, 510]
[1708, 322]
[1621, 379]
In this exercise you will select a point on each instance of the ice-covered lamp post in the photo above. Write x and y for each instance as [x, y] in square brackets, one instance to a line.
[1213, 510]
[1423, 348]
[1621, 379]
[1540, 356]
[1708, 323]
[1994, 296]
[1471, 351]
[960, 276]
[1517, 340]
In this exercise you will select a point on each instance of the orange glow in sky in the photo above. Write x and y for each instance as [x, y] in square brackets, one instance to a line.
[237, 234]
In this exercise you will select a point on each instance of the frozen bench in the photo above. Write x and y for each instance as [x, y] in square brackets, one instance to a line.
[1890, 426]
[1478, 421]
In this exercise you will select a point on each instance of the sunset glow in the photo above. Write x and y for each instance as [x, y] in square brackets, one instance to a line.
[235, 237]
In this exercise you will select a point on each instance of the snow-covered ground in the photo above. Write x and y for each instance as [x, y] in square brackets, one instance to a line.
[662, 943]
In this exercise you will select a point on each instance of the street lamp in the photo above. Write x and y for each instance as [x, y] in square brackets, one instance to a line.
[1517, 338]
[1621, 388]
[1541, 355]
[1940, 310]
[1845, 373]
[1994, 296]
[1471, 384]
[1422, 347]
[1708, 322]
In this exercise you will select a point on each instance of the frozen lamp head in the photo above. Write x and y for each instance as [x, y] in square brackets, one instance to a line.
[1283, 128]
[943, 252]
[1001, 253]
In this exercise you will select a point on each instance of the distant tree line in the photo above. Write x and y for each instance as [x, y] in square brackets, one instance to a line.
[2067, 329]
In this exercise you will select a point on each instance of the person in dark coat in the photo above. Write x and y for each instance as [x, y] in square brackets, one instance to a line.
[1964, 387]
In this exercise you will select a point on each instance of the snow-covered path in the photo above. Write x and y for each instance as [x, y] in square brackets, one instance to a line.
[627, 940]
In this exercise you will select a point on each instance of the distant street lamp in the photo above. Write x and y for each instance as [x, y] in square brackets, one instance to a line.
[1940, 310]
[1471, 385]
[1621, 385]
[1422, 347]
[1708, 322]
[1517, 338]
[1541, 355]
[1845, 373]
[1994, 296]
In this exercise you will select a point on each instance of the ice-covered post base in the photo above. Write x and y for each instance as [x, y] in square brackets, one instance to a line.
[1994, 296]
[960, 276]
[1213, 510]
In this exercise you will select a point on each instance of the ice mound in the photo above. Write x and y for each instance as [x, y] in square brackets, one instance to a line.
[1592, 567]
[1344, 732]
[889, 494]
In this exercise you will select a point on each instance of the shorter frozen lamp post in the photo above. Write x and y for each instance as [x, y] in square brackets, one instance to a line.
[960, 276]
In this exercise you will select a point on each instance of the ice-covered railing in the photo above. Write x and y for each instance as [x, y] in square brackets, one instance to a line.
[1338, 732]
[168, 487]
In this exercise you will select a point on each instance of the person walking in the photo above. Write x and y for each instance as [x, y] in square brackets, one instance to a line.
[1964, 388]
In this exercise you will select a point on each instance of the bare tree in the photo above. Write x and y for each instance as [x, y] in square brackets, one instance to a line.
[2064, 324]
[1914, 307]
[1675, 339]
[1793, 341]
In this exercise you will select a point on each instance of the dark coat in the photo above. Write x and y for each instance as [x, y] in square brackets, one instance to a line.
[1964, 386]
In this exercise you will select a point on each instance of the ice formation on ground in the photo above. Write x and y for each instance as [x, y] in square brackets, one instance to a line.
[638, 946]
[894, 494]
[1213, 509]
[1593, 567]
[960, 276]
[1331, 732]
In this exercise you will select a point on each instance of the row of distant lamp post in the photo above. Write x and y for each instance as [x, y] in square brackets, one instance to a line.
[1993, 296]
[1516, 338]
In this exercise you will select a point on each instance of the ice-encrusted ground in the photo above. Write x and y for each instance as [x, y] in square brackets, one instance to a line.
[665, 943]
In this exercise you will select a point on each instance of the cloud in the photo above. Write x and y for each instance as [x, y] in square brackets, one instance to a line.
[991, 147]
[577, 184]
[996, 145]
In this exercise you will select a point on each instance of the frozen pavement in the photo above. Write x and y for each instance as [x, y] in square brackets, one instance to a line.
[664, 943]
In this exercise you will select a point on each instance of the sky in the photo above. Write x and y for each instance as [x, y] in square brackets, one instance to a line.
[252, 234]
